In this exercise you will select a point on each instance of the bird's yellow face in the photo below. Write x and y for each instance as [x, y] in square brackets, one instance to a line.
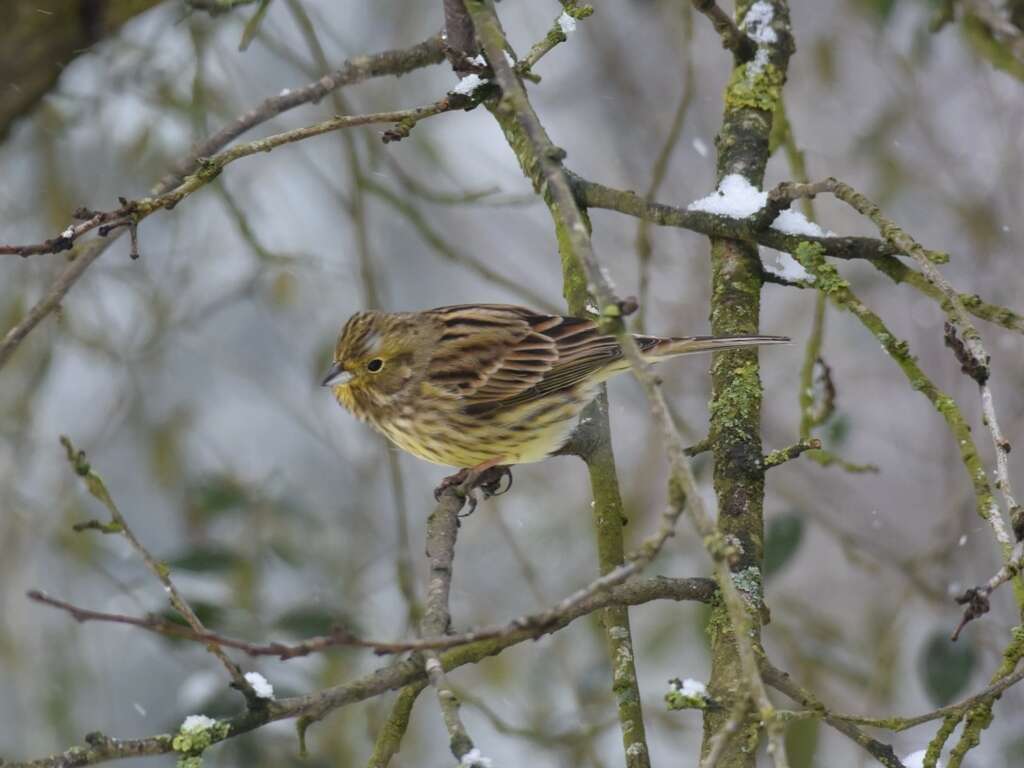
[375, 363]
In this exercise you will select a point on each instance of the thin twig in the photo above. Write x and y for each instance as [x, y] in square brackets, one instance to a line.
[98, 489]
[781, 681]
[631, 592]
[782, 455]
[555, 35]
[733, 38]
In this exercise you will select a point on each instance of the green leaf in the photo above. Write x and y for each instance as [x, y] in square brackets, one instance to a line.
[782, 539]
[205, 560]
[310, 620]
[210, 614]
[802, 742]
[945, 667]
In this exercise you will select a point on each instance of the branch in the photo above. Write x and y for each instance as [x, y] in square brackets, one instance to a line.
[881, 254]
[392, 676]
[781, 681]
[591, 194]
[442, 531]
[733, 38]
[132, 212]
[782, 455]
[557, 34]
[977, 598]
[630, 592]
[750, 101]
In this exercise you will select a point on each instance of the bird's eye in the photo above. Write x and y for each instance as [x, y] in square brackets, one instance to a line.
[375, 365]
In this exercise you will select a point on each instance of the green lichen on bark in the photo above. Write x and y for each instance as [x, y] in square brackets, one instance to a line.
[193, 740]
[735, 430]
[754, 85]
[389, 738]
[979, 717]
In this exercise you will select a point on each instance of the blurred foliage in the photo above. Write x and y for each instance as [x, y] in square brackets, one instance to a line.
[783, 535]
[945, 667]
[206, 559]
[802, 738]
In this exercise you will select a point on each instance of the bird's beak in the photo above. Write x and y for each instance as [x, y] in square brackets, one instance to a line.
[336, 376]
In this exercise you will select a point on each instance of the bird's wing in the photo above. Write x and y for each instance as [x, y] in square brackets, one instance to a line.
[496, 355]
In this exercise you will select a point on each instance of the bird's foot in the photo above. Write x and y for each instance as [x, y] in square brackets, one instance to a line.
[452, 481]
[488, 480]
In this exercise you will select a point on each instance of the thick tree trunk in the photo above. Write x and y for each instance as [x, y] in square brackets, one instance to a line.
[39, 38]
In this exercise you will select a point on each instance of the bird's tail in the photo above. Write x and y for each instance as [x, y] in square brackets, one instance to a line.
[656, 348]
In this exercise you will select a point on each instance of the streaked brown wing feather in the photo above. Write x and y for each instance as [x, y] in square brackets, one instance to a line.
[489, 351]
[494, 356]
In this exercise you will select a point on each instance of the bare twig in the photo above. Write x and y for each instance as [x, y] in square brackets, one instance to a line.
[94, 483]
[630, 592]
[554, 36]
[393, 62]
[133, 211]
[782, 455]
[976, 599]
[781, 681]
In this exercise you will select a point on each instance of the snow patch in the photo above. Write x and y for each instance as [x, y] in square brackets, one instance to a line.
[758, 23]
[690, 687]
[468, 84]
[260, 686]
[473, 759]
[795, 223]
[735, 197]
[788, 268]
[567, 23]
[916, 760]
[197, 723]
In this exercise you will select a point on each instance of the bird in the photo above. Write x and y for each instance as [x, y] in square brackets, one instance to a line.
[485, 386]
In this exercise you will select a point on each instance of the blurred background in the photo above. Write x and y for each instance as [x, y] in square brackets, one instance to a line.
[190, 377]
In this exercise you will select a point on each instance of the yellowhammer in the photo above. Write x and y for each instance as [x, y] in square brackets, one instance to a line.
[482, 385]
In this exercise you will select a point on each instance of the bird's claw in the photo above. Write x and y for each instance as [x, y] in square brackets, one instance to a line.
[452, 481]
[490, 482]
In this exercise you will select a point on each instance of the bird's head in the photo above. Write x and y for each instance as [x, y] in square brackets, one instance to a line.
[376, 360]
